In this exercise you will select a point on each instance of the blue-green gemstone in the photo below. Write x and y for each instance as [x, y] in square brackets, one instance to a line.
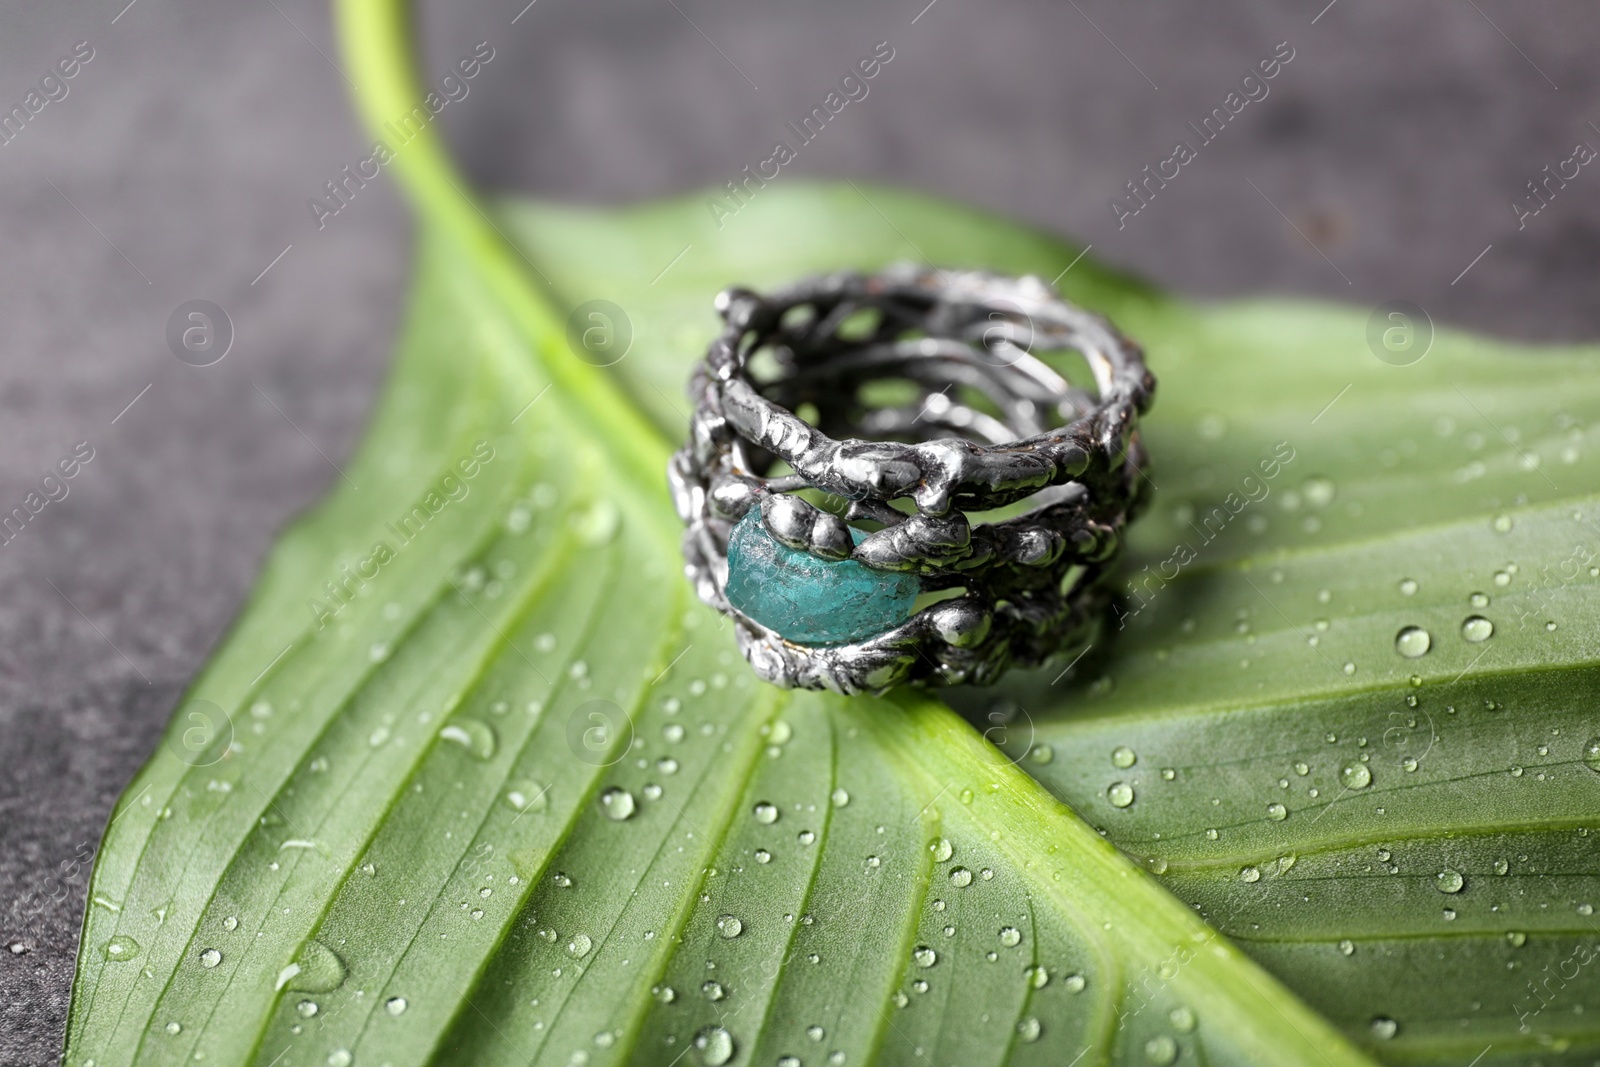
[808, 600]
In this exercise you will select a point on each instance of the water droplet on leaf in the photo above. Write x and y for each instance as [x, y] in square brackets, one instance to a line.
[1413, 641]
[478, 738]
[618, 804]
[714, 1046]
[317, 969]
[1161, 1050]
[526, 795]
[1318, 491]
[1355, 776]
[121, 947]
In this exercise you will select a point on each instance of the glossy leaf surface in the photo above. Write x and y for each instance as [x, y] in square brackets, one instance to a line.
[519, 801]
[473, 779]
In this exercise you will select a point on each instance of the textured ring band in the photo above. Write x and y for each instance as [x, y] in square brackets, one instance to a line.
[923, 389]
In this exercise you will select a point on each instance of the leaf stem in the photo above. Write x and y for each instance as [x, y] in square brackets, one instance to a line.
[376, 40]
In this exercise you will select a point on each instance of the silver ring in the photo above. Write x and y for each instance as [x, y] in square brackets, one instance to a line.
[846, 428]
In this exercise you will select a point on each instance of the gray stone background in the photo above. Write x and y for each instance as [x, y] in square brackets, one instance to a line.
[183, 155]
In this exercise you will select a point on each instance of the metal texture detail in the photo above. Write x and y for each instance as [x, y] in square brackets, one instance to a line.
[924, 389]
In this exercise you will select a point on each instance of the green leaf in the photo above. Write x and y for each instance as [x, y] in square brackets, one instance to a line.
[1421, 824]
[435, 740]
[1368, 500]
[472, 780]
[1471, 471]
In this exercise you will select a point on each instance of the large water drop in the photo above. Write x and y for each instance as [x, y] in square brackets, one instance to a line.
[714, 1045]
[1413, 641]
[1161, 1050]
[525, 795]
[317, 969]
[478, 738]
[1355, 775]
[618, 804]
[121, 947]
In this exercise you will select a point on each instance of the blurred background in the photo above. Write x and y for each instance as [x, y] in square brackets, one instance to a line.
[1383, 164]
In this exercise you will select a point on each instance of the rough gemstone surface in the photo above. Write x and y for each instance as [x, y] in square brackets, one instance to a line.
[809, 600]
